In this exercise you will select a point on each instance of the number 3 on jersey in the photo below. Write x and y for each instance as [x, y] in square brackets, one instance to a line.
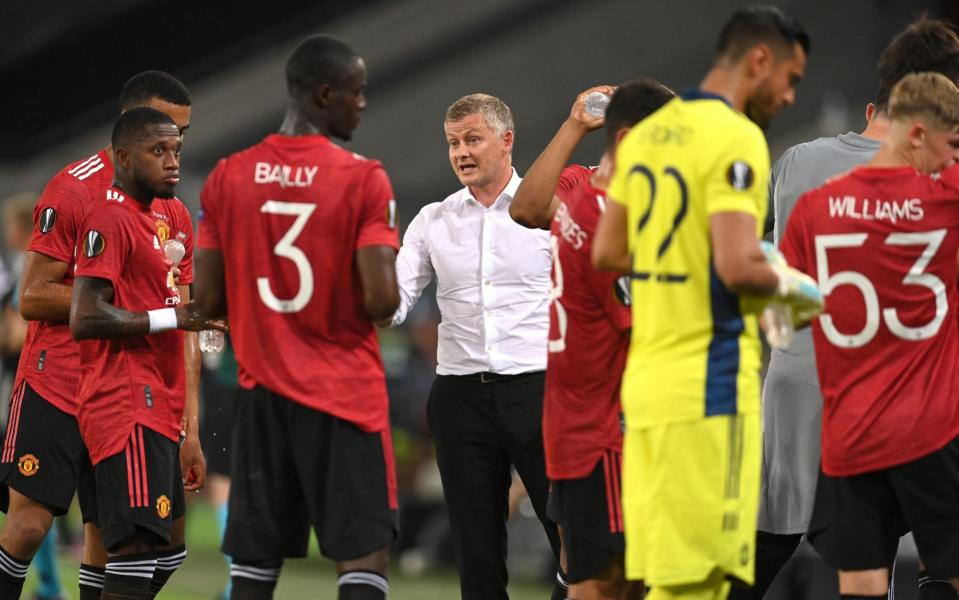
[286, 248]
[916, 276]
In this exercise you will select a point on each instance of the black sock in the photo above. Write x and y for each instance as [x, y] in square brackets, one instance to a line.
[861, 597]
[254, 581]
[932, 588]
[91, 581]
[560, 587]
[12, 573]
[168, 561]
[128, 576]
[362, 585]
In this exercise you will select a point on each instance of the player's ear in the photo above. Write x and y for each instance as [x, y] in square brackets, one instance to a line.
[620, 134]
[871, 111]
[760, 60]
[322, 95]
[122, 157]
[916, 134]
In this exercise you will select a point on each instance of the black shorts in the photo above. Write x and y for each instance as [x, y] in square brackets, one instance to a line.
[139, 490]
[216, 426]
[589, 512]
[857, 521]
[294, 467]
[43, 455]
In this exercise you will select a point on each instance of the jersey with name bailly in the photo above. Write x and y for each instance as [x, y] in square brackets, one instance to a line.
[289, 215]
[882, 244]
[50, 359]
[589, 335]
[695, 348]
[137, 380]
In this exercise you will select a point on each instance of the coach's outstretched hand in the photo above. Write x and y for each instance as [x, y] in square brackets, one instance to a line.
[189, 317]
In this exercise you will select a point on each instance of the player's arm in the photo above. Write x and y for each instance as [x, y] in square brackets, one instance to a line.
[610, 250]
[377, 268]
[43, 295]
[209, 282]
[740, 263]
[192, 462]
[93, 316]
[535, 202]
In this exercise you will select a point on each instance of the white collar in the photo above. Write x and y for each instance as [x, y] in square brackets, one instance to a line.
[509, 191]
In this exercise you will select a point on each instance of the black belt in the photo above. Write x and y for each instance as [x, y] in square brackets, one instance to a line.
[490, 377]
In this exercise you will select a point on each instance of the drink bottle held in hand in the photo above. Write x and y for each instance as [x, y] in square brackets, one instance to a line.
[210, 339]
[596, 103]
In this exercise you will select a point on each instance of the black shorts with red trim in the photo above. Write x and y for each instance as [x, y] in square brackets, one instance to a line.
[43, 455]
[590, 514]
[857, 520]
[295, 467]
[139, 490]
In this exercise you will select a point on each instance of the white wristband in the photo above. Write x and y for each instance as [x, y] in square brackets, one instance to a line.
[162, 319]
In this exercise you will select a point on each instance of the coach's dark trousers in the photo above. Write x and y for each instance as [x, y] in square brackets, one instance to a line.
[482, 424]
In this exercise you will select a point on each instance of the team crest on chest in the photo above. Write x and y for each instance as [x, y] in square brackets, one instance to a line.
[163, 230]
[93, 244]
[28, 465]
[163, 507]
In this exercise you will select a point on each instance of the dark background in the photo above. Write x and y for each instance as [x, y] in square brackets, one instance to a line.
[62, 64]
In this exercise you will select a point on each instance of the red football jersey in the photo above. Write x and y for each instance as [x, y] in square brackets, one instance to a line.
[882, 244]
[289, 214]
[50, 359]
[589, 322]
[131, 381]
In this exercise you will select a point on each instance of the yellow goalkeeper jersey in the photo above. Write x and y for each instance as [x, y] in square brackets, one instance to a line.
[695, 351]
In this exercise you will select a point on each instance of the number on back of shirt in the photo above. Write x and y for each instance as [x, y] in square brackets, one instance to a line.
[287, 249]
[932, 240]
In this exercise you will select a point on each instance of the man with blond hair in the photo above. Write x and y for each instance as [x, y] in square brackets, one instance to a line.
[492, 288]
[882, 243]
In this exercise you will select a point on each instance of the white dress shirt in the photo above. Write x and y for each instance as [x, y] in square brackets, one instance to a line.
[492, 283]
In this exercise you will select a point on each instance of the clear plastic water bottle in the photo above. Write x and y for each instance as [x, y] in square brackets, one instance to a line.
[174, 250]
[779, 324]
[212, 340]
[596, 103]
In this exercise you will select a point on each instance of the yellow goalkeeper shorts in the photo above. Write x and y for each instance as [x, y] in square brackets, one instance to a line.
[690, 499]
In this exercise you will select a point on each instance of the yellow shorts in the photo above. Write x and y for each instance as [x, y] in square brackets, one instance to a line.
[690, 499]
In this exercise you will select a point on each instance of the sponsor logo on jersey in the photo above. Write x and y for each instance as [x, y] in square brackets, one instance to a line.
[28, 465]
[163, 507]
[48, 218]
[740, 175]
[93, 244]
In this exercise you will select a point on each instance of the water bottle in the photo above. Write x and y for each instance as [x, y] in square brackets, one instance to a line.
[779, 325]
[174, 250]
[212, 340]
[596, 103]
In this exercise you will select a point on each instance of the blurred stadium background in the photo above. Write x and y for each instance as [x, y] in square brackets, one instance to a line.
[63, 64]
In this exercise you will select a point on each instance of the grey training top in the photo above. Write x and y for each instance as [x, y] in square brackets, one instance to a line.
[792, 402]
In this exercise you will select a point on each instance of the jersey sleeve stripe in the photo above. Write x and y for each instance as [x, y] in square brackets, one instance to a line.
[83, 165]
[722, 362]
[99, 166]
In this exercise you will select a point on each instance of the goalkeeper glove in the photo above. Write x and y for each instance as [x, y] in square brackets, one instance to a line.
[796, 289]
